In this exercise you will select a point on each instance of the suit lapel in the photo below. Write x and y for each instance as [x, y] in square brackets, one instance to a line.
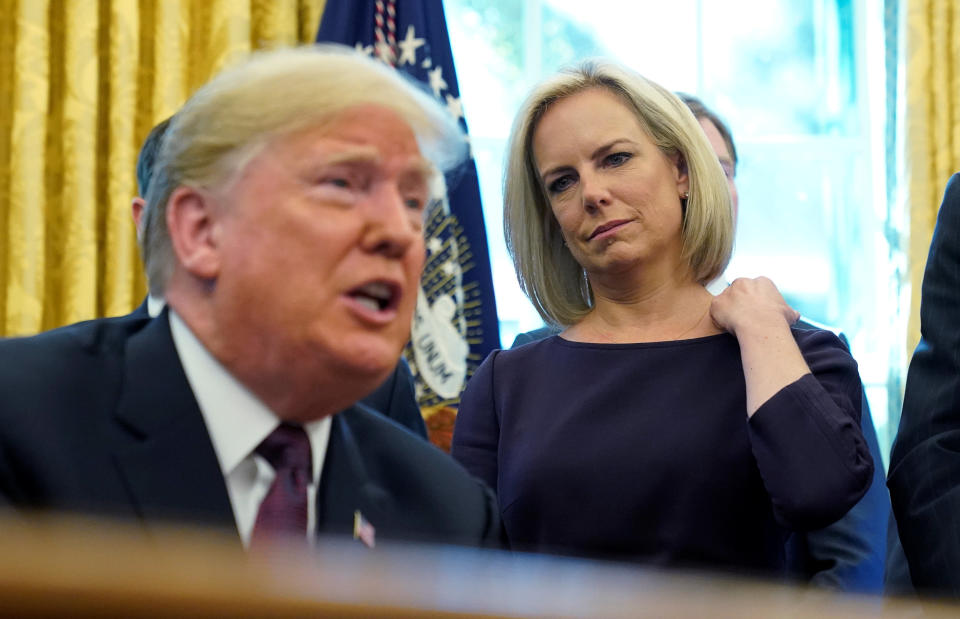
[345, 485]
[163, 450]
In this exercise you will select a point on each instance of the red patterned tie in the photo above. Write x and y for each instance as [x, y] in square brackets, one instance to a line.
[283, 512]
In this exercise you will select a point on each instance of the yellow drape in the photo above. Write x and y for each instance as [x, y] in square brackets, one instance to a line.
[81, 84]
[932, 125]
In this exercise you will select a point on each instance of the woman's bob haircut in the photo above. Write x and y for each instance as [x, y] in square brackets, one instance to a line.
[555, 283]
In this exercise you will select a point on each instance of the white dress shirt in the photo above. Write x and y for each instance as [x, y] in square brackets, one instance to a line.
[238, 422]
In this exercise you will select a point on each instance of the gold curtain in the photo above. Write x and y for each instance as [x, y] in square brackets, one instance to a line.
[81, 84]
[932, 125]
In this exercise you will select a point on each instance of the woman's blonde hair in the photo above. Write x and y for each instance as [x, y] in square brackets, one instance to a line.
[231, 118]
[548, 273]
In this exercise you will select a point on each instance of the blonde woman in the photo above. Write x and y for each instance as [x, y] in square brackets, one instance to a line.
[663, 424]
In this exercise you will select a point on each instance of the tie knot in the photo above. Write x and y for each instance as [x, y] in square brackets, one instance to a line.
[288, 448]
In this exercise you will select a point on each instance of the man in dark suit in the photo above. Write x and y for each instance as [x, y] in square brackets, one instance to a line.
[848, 555]
[395, 398]
[283, 227]
[924, 477]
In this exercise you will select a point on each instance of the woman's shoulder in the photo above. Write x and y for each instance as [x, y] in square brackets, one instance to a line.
[806, 325]
[510, 368]
[547, 356]
[525, 351]
[536, 335]
[809, 333]
[822, 346]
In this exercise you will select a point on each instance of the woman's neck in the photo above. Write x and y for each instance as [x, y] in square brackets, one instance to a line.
[652, 310]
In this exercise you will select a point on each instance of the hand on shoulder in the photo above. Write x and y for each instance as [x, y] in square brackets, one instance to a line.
[751, 303]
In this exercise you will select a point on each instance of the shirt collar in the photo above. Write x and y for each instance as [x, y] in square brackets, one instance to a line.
[155, 305]
[235, 418]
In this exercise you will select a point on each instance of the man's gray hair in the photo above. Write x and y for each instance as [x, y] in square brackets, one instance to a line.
[229, 120]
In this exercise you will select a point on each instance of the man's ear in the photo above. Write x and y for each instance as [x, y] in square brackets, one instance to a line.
[136, 209]
[191, 222]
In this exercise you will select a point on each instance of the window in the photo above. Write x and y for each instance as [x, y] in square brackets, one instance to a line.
[792, 80]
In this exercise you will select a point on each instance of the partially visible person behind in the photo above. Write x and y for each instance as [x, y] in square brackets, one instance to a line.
[663, 424]
[283, 227]
[924, 476]
[147, 158]
[721, 141]
[395, 398]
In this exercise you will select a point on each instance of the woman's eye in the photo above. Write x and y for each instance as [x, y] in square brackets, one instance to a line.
[414, 203]
[560, 184]
[617, 159]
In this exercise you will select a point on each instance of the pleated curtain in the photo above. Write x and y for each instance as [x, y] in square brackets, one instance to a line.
[931, 127]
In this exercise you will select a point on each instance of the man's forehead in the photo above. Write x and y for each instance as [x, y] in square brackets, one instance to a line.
[368, 131]
[346, 153]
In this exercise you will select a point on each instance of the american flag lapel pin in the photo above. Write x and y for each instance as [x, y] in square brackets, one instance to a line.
[363, 530]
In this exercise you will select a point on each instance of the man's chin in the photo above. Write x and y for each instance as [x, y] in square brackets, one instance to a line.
[373, 363]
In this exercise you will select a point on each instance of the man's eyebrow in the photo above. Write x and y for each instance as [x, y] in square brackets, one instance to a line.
[353, 154]
[369, 154]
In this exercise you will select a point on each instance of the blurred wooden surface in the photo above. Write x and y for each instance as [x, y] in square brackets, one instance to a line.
[87, 568]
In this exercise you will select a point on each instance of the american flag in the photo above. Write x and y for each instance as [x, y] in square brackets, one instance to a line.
[456, 320]
[363, 530]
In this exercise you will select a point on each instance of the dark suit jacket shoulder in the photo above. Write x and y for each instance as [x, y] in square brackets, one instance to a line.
[446, 505]
[924, 476]
[396, 399]
[99, 418]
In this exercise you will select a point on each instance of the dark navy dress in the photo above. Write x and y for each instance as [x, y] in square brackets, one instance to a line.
[644, 452]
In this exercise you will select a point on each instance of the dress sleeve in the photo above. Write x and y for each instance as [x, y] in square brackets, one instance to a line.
[476, 433]
[812, 456]
[849, 555]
